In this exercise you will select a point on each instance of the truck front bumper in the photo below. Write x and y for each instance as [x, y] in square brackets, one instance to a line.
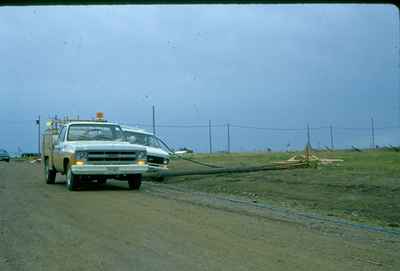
[153, 168]
[108, 169]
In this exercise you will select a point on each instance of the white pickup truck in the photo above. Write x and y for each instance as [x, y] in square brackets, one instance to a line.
[92, 150]
[157, 158]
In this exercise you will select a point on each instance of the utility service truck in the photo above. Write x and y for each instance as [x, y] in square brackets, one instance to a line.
[94, 150]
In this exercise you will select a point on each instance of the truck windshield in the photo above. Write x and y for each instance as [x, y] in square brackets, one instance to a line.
[92, 132]
[142, 139]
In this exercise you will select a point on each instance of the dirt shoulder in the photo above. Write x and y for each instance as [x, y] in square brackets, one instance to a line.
[46, 227]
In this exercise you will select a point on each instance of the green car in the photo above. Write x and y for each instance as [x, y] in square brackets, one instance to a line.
[4, 156]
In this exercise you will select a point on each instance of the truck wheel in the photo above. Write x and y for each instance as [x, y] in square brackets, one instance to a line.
[101, 180]
[72, 180]
[49, 174]
[135, 181]
[159, 179]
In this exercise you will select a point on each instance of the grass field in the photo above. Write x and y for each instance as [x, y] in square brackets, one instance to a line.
[363, 188]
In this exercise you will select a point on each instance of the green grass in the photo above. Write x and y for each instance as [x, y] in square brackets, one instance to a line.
[363, 188]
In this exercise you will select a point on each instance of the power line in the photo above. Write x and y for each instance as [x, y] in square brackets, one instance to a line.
[268, 128]
[23, 122]
[234, 126]
[176, 126]
[17, 121]
[366, 128]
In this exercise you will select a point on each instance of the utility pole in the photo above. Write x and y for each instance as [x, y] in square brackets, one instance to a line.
[209, 135]
[331, 132]
[229, 137]
[308, 147]
[154, 120]
[38, 124]
[372, 133]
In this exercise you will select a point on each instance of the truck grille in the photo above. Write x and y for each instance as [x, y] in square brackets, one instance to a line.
[155, 160]
[111, 157]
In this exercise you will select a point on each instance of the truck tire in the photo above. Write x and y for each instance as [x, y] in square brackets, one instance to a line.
[135, 181]
[49, 174]
[101, 180]
[159, 179]
[72, 180]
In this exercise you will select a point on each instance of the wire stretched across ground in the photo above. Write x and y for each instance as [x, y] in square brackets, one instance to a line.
[218, 169]
[171, 152]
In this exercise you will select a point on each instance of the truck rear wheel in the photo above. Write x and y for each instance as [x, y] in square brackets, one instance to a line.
[72, 180]
[49, 174]
[135, 181]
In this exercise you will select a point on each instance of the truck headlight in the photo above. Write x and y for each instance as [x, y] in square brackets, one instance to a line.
[141, 155]
[81, 155]
[79, 163]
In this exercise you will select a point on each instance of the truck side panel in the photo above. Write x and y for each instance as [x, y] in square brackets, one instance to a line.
[47, 149]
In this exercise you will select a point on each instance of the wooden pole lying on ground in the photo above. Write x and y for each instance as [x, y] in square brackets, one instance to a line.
[307, 160]
[288, 165]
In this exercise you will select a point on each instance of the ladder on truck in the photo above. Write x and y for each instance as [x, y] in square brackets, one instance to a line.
[54, 124]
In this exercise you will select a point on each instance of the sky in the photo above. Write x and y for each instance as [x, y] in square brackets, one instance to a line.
[261, 66]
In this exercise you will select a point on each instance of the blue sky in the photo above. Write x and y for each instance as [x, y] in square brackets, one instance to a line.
[259, 65]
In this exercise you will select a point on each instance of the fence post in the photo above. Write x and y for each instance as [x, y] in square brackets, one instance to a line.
[372, 133]
[209, 135]
[38, 124]
[154, 120]
[229, 137]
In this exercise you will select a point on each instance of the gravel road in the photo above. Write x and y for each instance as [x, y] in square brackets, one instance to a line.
[47, 227]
